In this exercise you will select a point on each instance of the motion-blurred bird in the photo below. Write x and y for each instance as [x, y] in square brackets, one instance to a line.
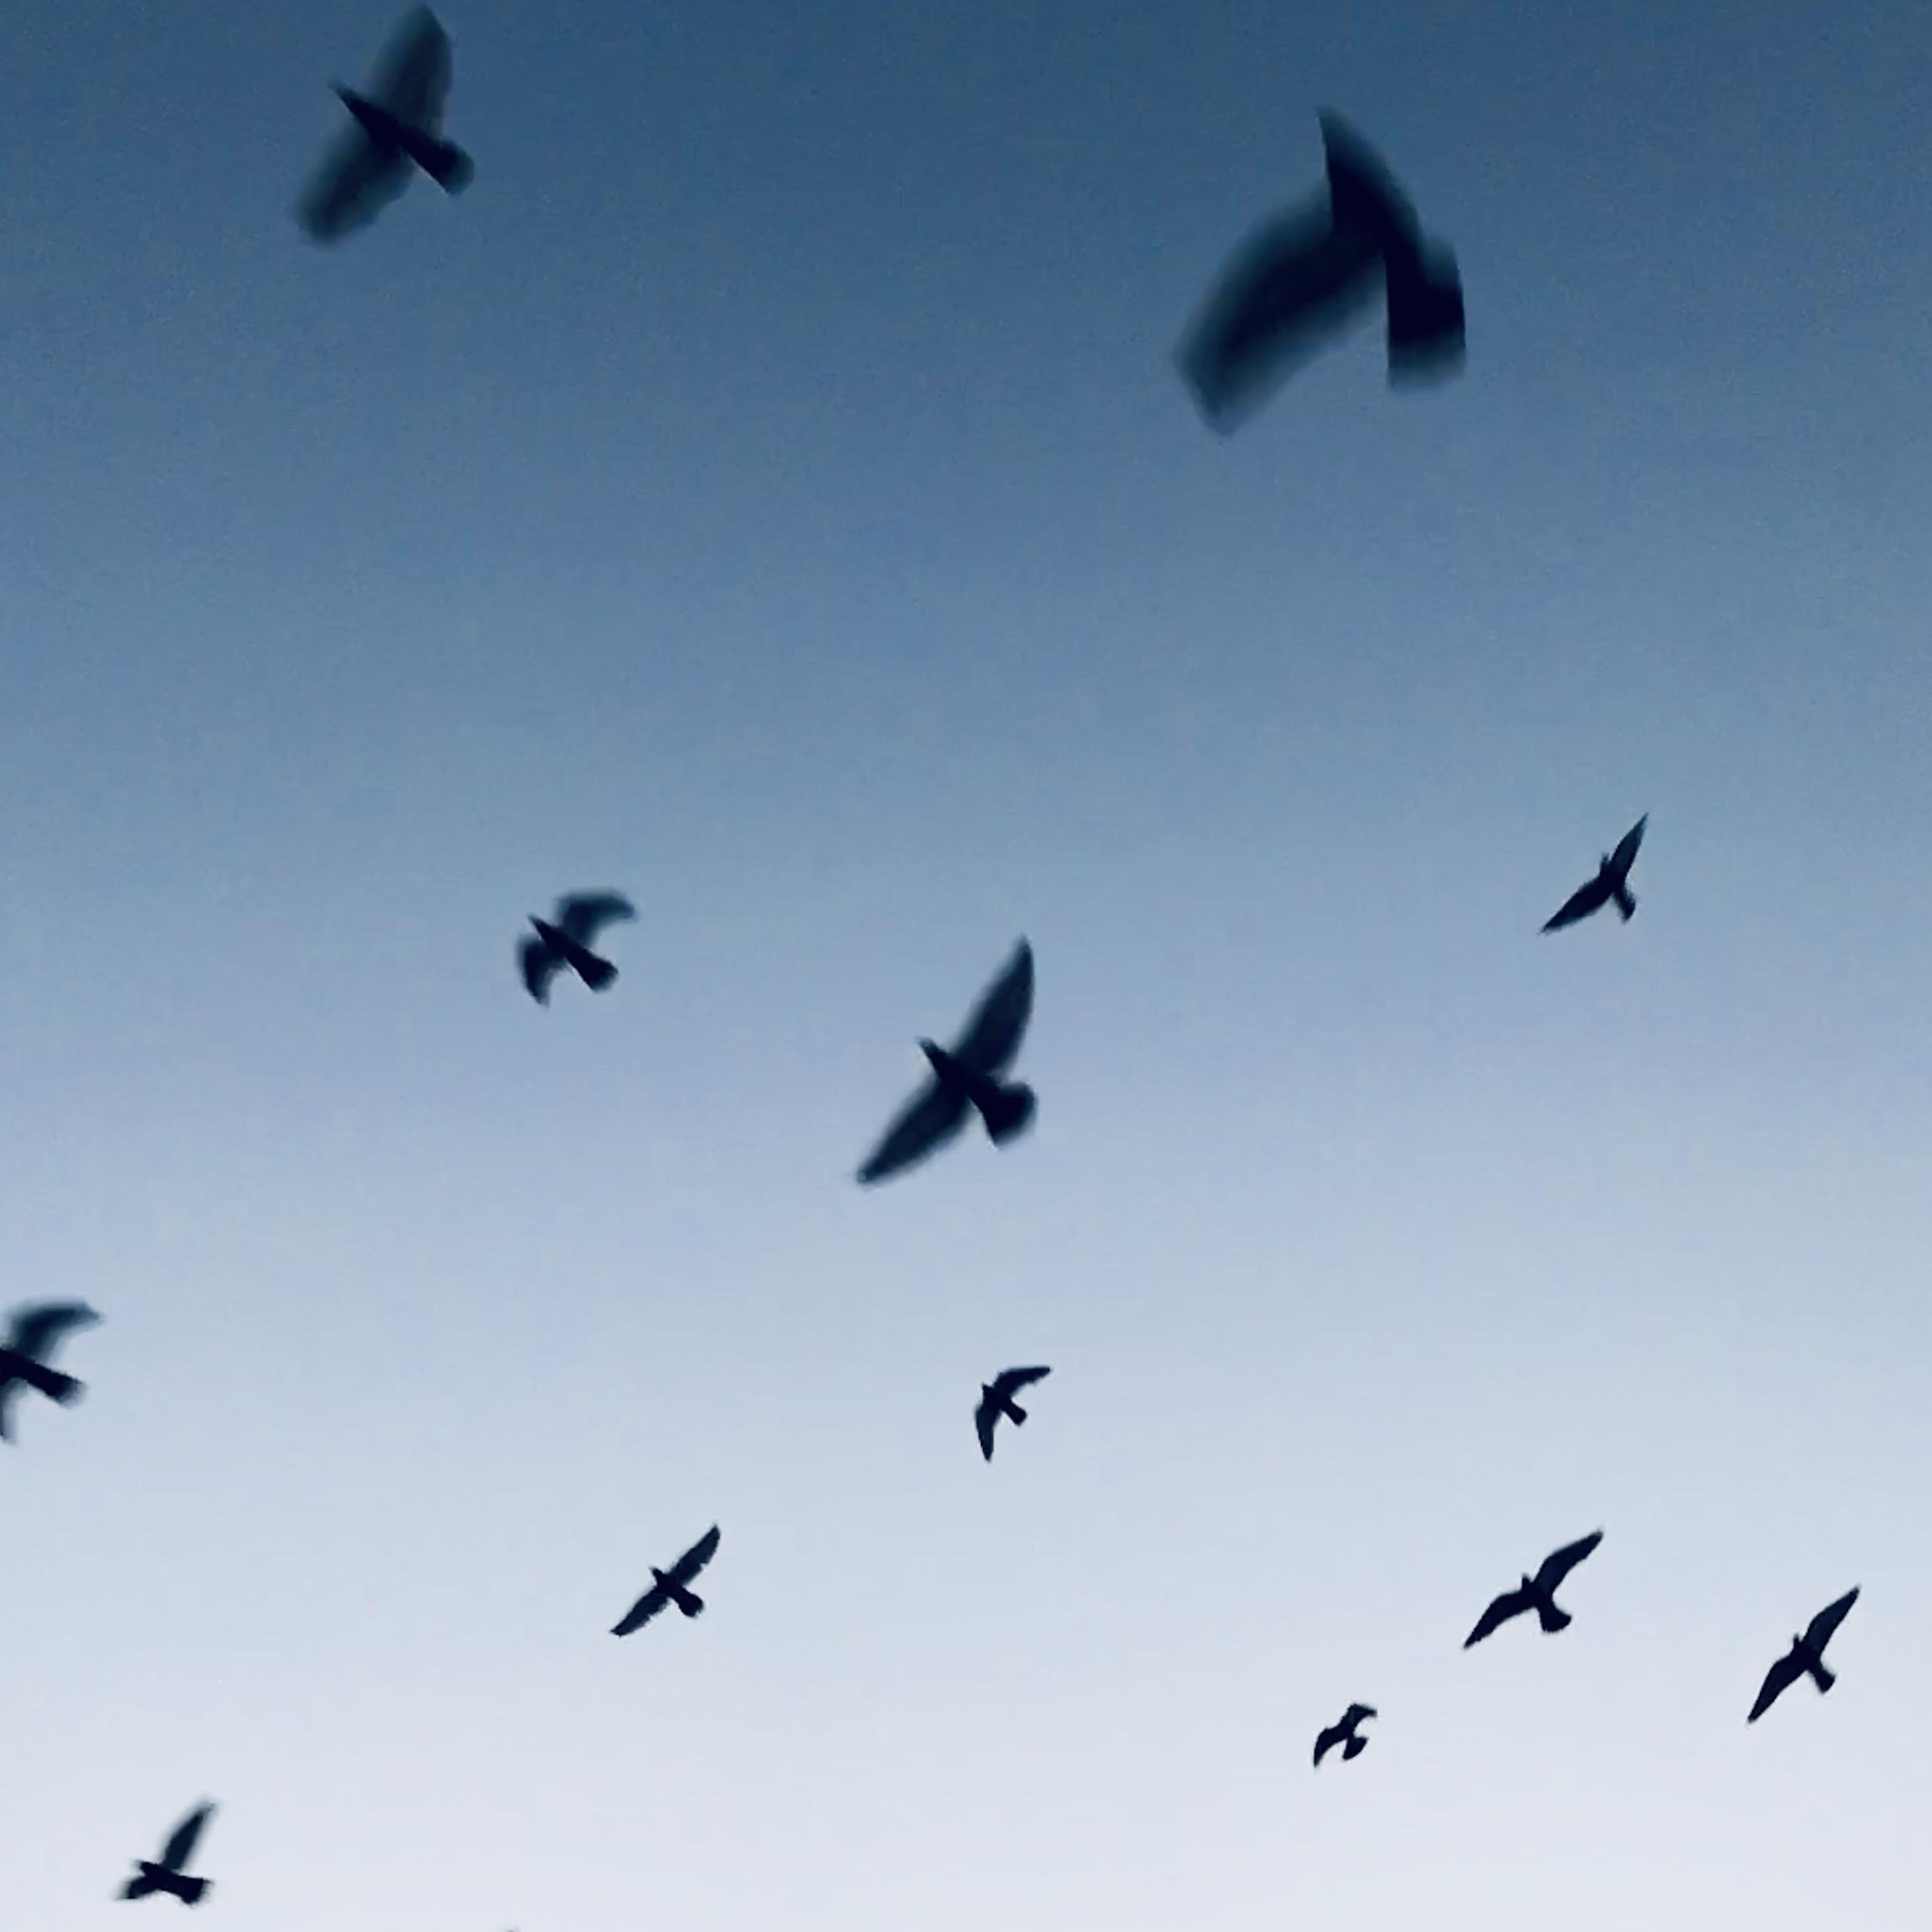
[33, 1332]
[1303, 275]
[1345, 1734]
[1612, 883]
[1537, 1593]
[672, 1586]
[996, 1400]
[966, 1078]
[1805, 1657]
[564, 940]
[395, 133]
[166, 1873]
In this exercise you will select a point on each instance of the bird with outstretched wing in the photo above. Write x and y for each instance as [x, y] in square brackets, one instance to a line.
[996, 1400]
[1344, 1733]
[1806, 1657]
[33, 1332]
[671, 1586]
[1537, 1593]
[1612, 883]
[564, 940]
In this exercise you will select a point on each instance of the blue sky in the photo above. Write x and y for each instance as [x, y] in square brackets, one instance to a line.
[767, 491]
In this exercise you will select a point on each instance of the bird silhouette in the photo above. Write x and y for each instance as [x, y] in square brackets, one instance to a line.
[1344, 1734]
[996, 1400]
[1537, 1593]
[966, 1078]
[672, 1586]
[1304, 274]
[1611, 883]
[166, 1873]
[395, 133]
[1806, 1657]
[33, 1332]
[564, 940]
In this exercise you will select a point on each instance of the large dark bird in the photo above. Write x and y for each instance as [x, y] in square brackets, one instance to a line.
[996, 1400]
[564, 940]
[33, 1334]
[1303, 275]
[166, 1873]
[672, 1586]
[1611, 882]
[394, 134]
[1344, 1734]
[1805, 1657]
[967, 1077]
[1537, 1593]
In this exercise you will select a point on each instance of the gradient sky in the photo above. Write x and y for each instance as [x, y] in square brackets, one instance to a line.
[768, 491]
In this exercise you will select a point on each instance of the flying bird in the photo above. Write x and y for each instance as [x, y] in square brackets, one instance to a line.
[967, 1077]
[564, 940]
[1611, 882]
[166, 1873]
[672, 1586]
[395, 133]
[33, 1332]
[1344, 1734]
[1305, 274]
[996, 1400]
[1805, 1657]
[1537, 1593]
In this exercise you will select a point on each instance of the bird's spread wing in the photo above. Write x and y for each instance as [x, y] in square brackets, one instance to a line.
[584, 915]
[993, 1034]
[179, 1849]
[694, 1559]
[1510, 1604]
[642, 1611]
[1818, 1633]
[1558, 1565]
[1778, 1679]
[1357, 1712]
[36, 1329]
[1326, 1740]
[985, 1417]
[1009, 1382]
[538, 963]
[1363, 192]
[412, 78]
[930, 1119]
[1583, 901]
[1625, 856]
[358, 179]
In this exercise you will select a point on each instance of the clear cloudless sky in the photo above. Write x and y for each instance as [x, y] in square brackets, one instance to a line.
[768, 491]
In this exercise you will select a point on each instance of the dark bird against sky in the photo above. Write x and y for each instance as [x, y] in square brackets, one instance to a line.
[564, 940]
[672, 1586]
[394, 134]
[1806, 1657]
[966, 1078]
[33, 1332]
[1346, 1734]
[1537, 1593]
[996, 1400]
[1612, 883]
[168, 1872]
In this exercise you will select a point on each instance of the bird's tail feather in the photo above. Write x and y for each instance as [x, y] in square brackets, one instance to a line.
[595, 973]
[1015, 1413]
[689, 1602]
[1551, 1618]
[1822, 1676]
[1626, 903]
[50, 1382]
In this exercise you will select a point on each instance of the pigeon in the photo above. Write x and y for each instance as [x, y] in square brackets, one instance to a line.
[1537, 1593]
[166, 1873]
[394, 134]
[670, 1586]
[966, 1078]
[564, 940]
[1303, 275]
[1611, 882]
[33, 1332]
[1344, 1734]
[1806, 1655]
[996, 1400]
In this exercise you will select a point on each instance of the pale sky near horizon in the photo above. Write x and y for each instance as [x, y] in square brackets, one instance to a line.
[767, 491]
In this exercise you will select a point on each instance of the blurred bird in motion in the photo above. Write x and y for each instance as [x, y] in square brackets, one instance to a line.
[33, 1332]
[1806, 1657]
[166, 1873]
[672, 1586]
[1304, 276]
[1537, 1593]
[996, 1400]
[394, 134]
[1612, 883]
[1344, 1734]
[967, 1077]
[564, 940]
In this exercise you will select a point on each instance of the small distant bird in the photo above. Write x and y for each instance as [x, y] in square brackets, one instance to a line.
[1805, 1657]
[1537, 1593]
[564, 940]
[33, 1332]
[996, 1400]
[1305, 274]
[1612, 883]
[395, 134]
[166, 1873]
[671, 1586]
[1344, 1734]
[966, 1078]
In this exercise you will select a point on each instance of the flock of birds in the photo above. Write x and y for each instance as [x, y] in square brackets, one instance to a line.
[1296, 281]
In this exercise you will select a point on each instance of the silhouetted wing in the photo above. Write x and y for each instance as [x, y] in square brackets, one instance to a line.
[986, 1418]
[1010, 1381]
[1363, 192]
[1583, 901]
[354, 184]
[412, 79]
[539, 964]
[1356, 1713]
[179, 1849]
[584, 915]
[1556, 1567]
[1819, 1631]
[1510, 1604]
[694, 1559]
[1778, 1679]
[642, 1611]
[993, 1034]
[38, 1329]
[1625, 856]
[1326, 1740]
[930, 1120]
